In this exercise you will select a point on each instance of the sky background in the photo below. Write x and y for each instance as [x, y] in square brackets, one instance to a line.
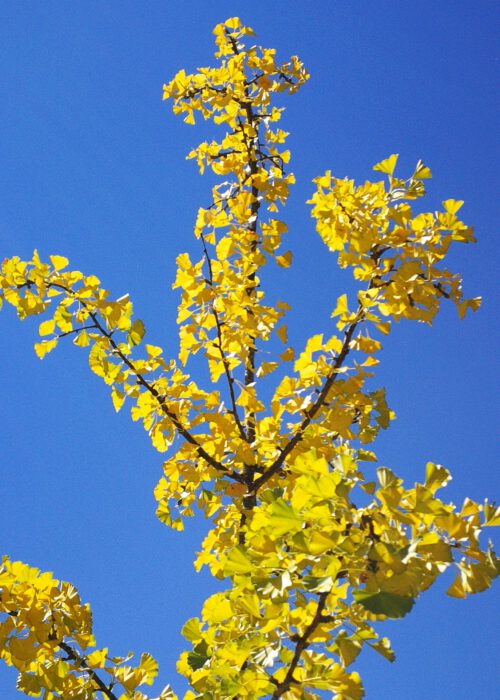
[93, 168]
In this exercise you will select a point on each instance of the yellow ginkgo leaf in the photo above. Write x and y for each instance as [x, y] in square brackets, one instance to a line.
[387, 165]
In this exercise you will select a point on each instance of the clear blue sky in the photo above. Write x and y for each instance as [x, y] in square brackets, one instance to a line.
[93, 168]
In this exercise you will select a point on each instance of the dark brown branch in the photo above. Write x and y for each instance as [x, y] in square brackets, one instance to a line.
[255, 153]
[441, 290]
[250, 500]
[161, 400]
[75, 330]
[82, 663]
[322, 397]
[164, 406]
[319, 403]
[80, 660]
[301, 644]
[227, 371]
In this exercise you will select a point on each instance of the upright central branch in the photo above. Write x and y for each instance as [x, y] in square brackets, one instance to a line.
[252, 149]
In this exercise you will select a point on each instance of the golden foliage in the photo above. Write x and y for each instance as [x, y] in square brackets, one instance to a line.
[309, 573]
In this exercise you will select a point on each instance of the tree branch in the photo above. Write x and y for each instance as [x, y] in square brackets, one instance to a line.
[301, 644]
[250, 500]
[161, 400]
[81, 661]
[322, 397]
[319, 403]
[164, 406]
[227, 371]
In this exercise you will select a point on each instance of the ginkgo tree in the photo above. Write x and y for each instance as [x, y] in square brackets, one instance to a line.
[315, 544]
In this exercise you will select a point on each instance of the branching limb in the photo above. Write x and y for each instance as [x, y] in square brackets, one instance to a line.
[106, 690]
[301, 644]
[142, 381]
[318, 404]
[162, 402]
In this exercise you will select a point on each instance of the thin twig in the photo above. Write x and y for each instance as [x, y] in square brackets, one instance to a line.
[227, 370]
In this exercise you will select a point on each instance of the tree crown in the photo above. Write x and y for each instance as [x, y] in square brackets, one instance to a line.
[315, 552]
